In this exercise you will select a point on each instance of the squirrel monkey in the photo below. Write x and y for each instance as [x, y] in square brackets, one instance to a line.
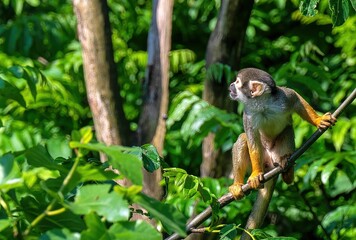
[268, 140]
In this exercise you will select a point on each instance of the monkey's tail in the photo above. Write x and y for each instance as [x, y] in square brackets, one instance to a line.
[260, 207]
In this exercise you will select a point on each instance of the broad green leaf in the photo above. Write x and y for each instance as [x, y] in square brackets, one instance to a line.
[18, 6]
[128, 192]
[96, 229]
[339, 132]
[10, 176]
[89, 172]
[134, 230]
[341, 217]
[181, 104]
[124, 159]
[8, 91]
[228, 232]
[150, 157]
[4, 223]
[171, 219]
[340, 10]
[60, 234]
[30, 176]
[308, 7]
[97, 198]
[329, 169]
[34, 207]
[32, 76]
[341, 184]
[39, 157]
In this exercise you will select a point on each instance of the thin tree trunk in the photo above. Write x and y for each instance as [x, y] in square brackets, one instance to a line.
[224, 46]
[100, 73]
[152, 123]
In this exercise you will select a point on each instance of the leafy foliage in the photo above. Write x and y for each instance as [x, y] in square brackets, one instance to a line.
[55, 193]
[340, 10]
[191, 119]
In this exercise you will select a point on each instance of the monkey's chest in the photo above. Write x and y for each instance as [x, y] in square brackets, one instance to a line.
[270, 125]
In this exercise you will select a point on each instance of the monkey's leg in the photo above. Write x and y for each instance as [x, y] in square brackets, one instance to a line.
[240, 163]
[260, 208]
[283, 148]
[256, 159]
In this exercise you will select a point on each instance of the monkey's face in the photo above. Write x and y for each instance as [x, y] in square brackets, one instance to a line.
[251, 83]
[238, 90]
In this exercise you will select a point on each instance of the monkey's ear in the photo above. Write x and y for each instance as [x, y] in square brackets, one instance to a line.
[257, 88]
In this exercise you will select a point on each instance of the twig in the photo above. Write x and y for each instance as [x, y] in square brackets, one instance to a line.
[227, 198]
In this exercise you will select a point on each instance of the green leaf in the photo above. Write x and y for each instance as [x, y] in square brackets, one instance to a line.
[4, 223]
[34, 207]
[10, 176]
[180, 105]
[341, 184]
[171, 219]
[97, 198]
[342, 217]
[124, 159]
[340, 11]
[7, 91]
[329, 169]
[228, 232]
[90, 172]
[96, 229]
[339, 132]
[39, 157]
[60, 234]
[150, 157]
[86, 134]
[32, 76]
[134, 230]
[308, 7]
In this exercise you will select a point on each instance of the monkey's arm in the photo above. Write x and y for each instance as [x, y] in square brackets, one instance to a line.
[303, 109]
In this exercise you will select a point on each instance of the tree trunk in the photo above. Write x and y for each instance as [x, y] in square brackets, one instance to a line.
[104, 99]
[224, 46]
[152, 123]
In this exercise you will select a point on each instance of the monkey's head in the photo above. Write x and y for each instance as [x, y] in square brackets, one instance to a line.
[251, 83]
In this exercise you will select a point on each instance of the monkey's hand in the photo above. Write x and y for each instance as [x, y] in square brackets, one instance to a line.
[327, 120]
[236, 190]
[255, 180]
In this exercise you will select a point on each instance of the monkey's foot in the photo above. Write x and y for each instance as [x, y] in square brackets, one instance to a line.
[327, 120]
[236, 190]
[255, 180]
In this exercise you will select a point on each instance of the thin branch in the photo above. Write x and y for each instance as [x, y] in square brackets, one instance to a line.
[228, 198]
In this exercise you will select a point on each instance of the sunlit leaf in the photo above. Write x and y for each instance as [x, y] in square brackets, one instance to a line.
[4, 223]
[10, 176]
[308, 7]
[86, 134]
[121, 158]
[339, 132]
[342, 217]
[60, 234]
[134, 230]
[97, 198]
